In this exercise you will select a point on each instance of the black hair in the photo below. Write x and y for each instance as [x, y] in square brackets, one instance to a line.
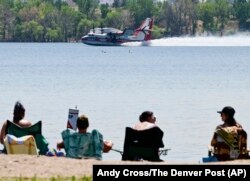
[19, 112]
[82, 122]
[145, 115]
[231, 121]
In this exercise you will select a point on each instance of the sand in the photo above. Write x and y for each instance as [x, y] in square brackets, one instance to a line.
[47, 167]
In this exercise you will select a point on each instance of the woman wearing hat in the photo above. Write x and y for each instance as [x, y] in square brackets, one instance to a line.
[229, 139]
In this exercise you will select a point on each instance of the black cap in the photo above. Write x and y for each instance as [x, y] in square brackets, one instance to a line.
[228, 111]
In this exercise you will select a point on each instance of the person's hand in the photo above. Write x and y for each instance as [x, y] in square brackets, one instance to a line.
[107, 146]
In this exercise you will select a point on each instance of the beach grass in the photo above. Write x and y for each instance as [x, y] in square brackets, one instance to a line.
[46, 179]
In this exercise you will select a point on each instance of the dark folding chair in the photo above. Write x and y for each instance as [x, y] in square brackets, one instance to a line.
[142, 145]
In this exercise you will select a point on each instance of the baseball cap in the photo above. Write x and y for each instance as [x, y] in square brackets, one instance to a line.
[228, 110]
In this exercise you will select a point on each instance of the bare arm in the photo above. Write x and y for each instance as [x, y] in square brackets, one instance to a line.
[2, 134]
[214, 140]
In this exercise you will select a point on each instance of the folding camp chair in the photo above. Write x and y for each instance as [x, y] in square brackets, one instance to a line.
[35, 130]
[22, 145]
[143, 145]
[85, 146]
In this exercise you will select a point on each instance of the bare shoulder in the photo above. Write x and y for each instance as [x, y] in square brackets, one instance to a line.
[239, 125]
[220, 126]
[25, 123]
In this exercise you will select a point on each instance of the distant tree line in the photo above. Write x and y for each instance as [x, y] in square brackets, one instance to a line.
[63, 21]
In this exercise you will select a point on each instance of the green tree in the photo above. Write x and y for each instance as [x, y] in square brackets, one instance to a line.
[30, 31]
[17, 5]
[28, 14]
[48, 16]
[242, 12]
[119, 18]
[104, 10]
[222, 10]
[114, 19]
[206, 13]
[178, 17]
[58, 20]
[53, 35]
[6, 21]
[69, 18]
[158, 32]
[87, 7]
[140, 9]
[84, 26]
[32, 3]
[127, 20]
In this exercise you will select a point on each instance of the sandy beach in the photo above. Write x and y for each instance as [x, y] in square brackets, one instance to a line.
[46, 167]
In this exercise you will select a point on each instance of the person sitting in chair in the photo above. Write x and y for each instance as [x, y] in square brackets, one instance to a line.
[229, 140]
[83, 144]
[18, 118]
[142, 142]
[146, 121]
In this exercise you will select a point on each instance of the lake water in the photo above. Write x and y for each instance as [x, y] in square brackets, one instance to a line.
[183, 86]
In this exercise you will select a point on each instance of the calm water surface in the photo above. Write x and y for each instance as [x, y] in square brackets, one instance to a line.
[183, 86]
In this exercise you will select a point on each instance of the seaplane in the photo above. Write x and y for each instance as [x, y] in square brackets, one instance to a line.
[114, 37]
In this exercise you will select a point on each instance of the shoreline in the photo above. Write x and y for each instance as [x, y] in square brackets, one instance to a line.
[47, 167]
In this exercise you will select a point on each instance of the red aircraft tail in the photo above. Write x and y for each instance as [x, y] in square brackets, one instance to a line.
[144, 31]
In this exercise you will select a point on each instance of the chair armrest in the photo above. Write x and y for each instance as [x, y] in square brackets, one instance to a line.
[164, 151]
[119, 151]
